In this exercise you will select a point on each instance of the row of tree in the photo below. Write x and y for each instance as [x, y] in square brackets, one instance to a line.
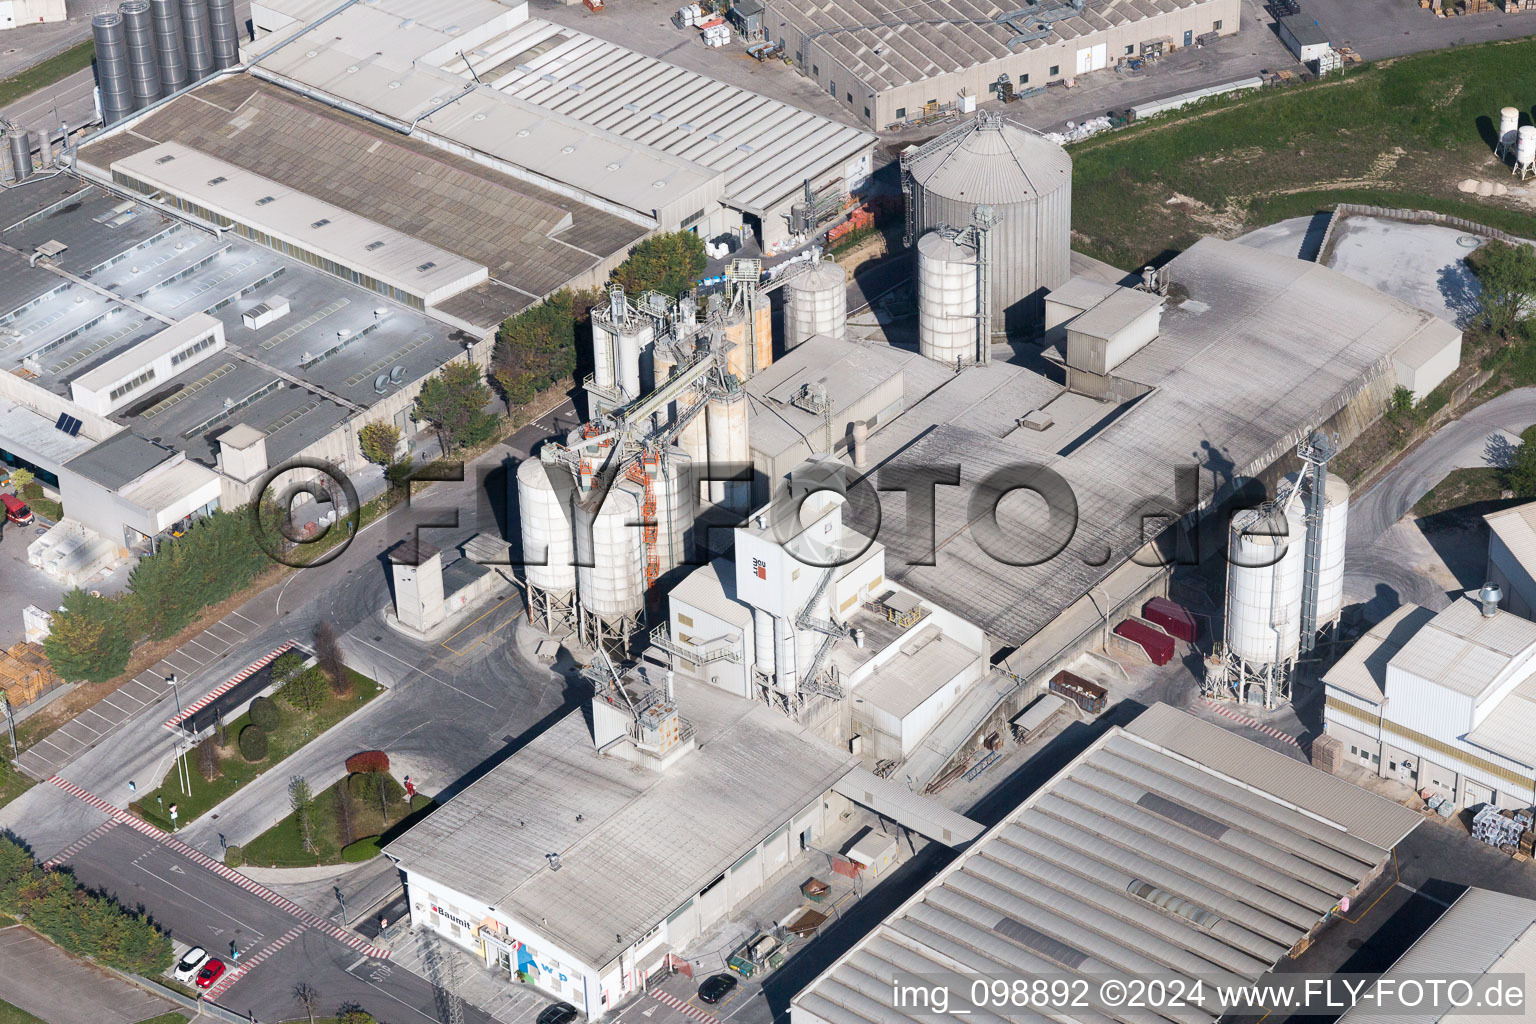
[79, 921]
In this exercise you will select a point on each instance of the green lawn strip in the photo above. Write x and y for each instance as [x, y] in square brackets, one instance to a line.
[296, 730]
[167, 1018]
[1266, 155]
[47, 72]
[282, 845]
[1462, 487]
[16, 1015]
[12, 783]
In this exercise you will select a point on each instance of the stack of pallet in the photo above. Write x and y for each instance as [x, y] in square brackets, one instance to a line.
[1479, 6]
[1501, 830]
[1510, 6]
[25, 673]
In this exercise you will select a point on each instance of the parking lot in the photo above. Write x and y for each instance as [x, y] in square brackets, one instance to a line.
[47, 982]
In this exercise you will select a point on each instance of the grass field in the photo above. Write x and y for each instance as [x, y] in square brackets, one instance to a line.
[235, 771]
[1462, 487]
[12, 782]
[1401, 133]
[47, 72]
[16, 1015]
[282, 845]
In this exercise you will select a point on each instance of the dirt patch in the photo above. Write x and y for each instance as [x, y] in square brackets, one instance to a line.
[1224, 223]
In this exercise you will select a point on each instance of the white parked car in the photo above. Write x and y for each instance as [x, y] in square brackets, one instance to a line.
[187, 967]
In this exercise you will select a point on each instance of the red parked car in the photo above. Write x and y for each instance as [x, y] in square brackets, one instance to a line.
[16, 510]
[210, 973]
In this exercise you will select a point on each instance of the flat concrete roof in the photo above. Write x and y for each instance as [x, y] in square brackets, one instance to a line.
[1110, 869]
[634, 843]
[121, 459]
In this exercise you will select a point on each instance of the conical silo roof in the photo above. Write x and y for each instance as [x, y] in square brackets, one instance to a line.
[989, 160]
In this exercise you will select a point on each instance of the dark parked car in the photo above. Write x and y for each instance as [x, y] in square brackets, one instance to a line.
[716, 987]
[560, 1013]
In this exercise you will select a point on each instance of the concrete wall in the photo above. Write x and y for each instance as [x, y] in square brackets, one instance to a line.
[1513, 577]
[15, 13]
[891, 106]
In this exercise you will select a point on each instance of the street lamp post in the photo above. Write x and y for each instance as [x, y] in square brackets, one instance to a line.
[181, 726]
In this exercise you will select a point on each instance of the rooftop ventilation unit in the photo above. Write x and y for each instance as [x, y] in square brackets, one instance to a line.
[397, 374]
[381, 383]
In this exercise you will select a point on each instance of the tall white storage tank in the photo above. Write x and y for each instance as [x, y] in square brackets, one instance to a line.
[946, 300]
[544, 508]
[611, 576]
[631, 343]
[815, 302]
[1509, 127]
[1267, 555]
[1334, 531]
[674, 509]
[1027, 180]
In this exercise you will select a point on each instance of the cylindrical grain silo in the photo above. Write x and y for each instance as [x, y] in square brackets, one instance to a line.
[674, 492]
[113, 76]
[197, 38]
[762, 641]
[603, 356]
[21, 153]
[170, 51]
[143, 68]
[815, 302]
[1525, 151]
[545, 511]
[1267, 556]
[730, 453]
[1509, 127]
[693, 439]
[610, 573]
[1332, 532]
[632, 341]
[1027, 181]
[947, 331]
[225, 27]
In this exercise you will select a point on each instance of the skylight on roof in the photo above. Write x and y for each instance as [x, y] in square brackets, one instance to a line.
[426, 266]
[217, 181]
[322, 222]
[372, 246]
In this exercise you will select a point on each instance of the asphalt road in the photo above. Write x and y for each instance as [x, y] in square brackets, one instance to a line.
[278, 951]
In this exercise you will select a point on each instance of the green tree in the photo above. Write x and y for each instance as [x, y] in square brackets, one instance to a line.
[669, 263]
[216, 558]
[354, 1014]
[302, 800]
[90, 639]
[538, 347]
[452, 401]
[305, 691]
[264, 714]
[1520, 476]
[286, 666]
[1507, 274]
[20, 477]
[379, 442]
[253, 743]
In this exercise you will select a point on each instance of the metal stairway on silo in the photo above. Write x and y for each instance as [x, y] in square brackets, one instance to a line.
[833, 631]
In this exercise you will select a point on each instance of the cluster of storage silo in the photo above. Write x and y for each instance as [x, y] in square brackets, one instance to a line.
[1016, 186]
[622, 338]
[815, 302]
[1285, 583]
[1517, 141]
[148, 49]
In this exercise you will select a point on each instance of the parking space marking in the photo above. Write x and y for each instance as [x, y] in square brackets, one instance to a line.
[247, 618]
[245, 882]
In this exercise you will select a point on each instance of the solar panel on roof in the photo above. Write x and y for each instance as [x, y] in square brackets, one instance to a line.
[68, 424]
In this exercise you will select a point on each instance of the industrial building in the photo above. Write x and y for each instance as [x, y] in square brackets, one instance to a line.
[156, 368]
[1512, 557]
[891, 64]
[599, 850]
[647, 140]
[1442, 701]
[1169, 848]
[1483, 932]
[16, 13]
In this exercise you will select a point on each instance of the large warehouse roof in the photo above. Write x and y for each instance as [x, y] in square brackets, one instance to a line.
[1262, 349]
[887, 43]
[1483, 932]
[406, 62]
[633, 843]
[1170, 847]
[532, 239]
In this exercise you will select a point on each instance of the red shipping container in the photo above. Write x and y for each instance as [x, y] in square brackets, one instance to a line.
[1172, 616]
[1158, 645]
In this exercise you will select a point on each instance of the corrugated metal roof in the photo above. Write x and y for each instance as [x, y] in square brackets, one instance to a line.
[1510, 728]
[1362, 671]
[1483, 932]
[1135, 858]
[991, 160]
[1366, 816]
[1516, 527]
[1468, 653]
[705, 589]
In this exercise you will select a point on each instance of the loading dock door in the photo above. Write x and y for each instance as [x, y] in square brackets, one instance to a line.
[1092, 58]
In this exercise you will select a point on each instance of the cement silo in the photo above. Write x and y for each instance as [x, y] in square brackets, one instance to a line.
[730, 453]
[815, 302]
[225, 28]
[1332, 533]
[674, 510]
[113, 77]
[1509, 127]
[1027, 183]
[21, 151]
[546, 514]
[948, 331]
[1266, 558]
[143, 68]
[170, 51]
[610, 573]
[622, 338]
[197, 38]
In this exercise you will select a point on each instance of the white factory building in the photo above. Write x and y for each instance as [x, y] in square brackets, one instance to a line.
[1442, 701]
[599, 850]
[1169, 848]
[891, 66]
[17, 13]
[662, 145]
[1512, 557]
